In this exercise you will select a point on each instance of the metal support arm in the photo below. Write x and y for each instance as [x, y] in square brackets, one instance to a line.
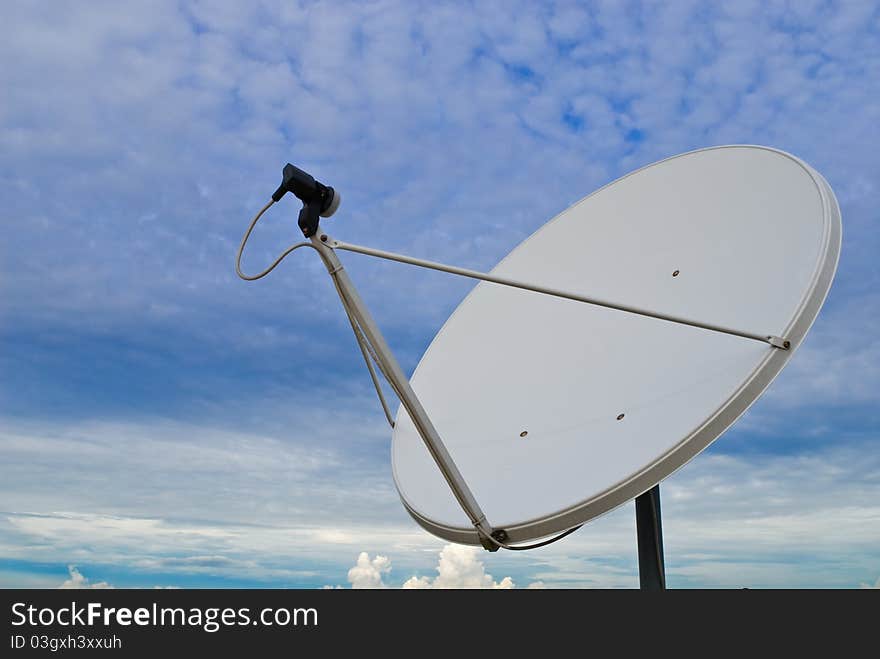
[775, 341]
[400, 383]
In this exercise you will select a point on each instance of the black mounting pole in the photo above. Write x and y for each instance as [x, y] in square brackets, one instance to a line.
[649, 529]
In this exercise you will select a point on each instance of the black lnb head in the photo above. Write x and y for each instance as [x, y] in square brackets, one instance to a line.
[318, 200]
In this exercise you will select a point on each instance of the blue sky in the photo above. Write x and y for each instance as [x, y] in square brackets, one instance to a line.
[163, 423]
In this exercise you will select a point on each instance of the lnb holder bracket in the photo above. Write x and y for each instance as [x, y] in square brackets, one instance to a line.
[500, 535]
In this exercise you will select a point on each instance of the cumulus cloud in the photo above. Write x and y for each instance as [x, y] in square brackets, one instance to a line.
[367, 572]
[458, 566]
[78, 581]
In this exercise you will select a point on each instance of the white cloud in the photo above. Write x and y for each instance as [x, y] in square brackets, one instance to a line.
[787, 521]
[459, 567]
[78, 581]
[279, 554]
[839, 363]
[876, 584]
[432, 94]
[368, 573]
[133, 470]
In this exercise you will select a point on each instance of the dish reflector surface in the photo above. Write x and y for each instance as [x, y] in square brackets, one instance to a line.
[557, 411]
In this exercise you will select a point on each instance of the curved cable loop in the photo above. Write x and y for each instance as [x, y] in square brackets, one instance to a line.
[543, 543]
[366, 349]
[276, 261]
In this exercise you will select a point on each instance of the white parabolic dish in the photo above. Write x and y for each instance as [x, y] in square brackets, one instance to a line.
[526, 389]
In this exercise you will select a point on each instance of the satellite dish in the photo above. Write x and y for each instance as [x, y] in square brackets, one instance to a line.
[651, 314]
[556, 412]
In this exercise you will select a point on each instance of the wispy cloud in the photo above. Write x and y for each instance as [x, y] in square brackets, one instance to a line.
[757, 520]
